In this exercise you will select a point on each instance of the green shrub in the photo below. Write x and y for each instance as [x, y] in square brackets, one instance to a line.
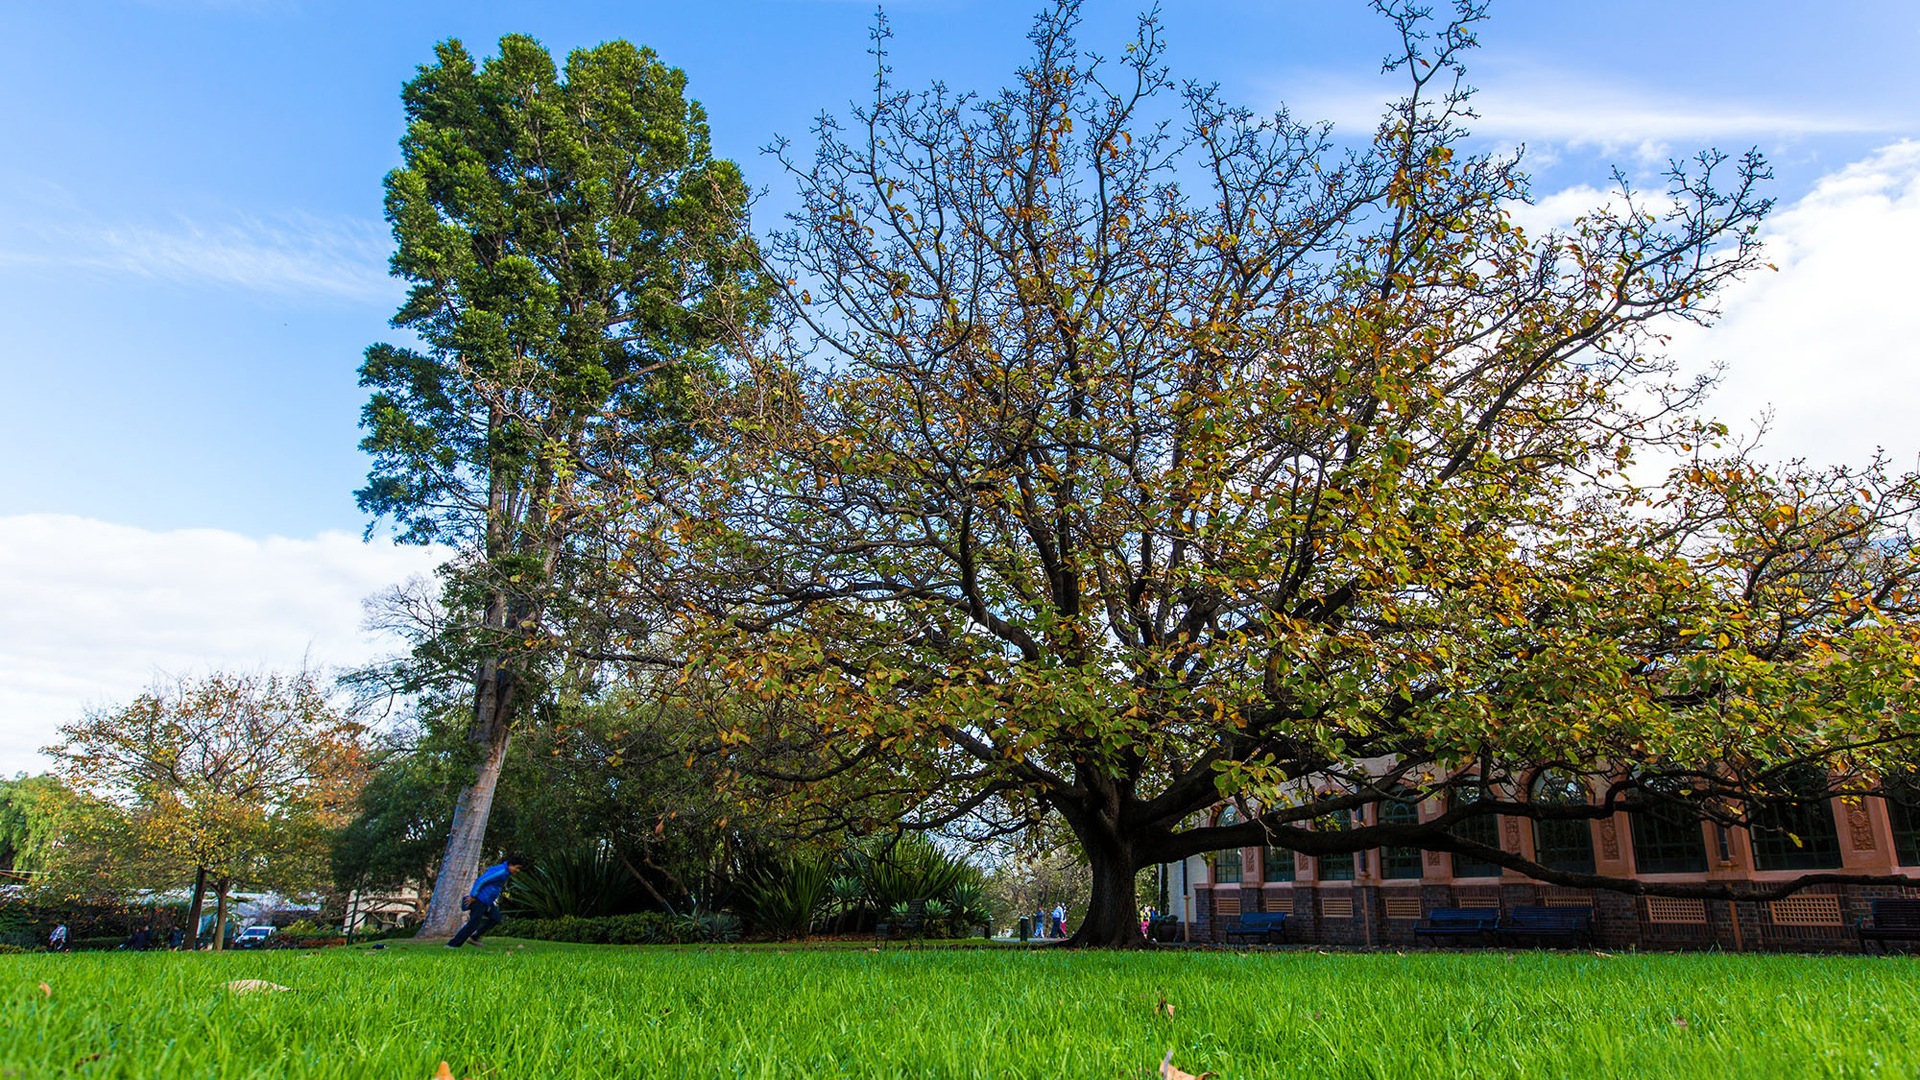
[783, 900]
[8, 950]
[644, 928]
[587, 883]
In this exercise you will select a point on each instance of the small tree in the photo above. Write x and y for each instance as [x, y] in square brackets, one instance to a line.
[230, 778]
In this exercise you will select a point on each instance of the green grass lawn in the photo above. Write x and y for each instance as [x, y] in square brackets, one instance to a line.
[572, 1011]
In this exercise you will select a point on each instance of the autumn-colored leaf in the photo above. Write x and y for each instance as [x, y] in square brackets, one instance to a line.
[45, 990]
[444, 1072]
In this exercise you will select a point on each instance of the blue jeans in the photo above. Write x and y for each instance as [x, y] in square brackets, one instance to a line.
[481, 917]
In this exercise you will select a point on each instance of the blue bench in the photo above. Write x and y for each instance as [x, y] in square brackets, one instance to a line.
[1529, 925]
[1268, 926]
[1458, 923]
[1891, 920]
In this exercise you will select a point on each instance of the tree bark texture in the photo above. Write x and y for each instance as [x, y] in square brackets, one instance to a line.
[193, 909]
[466, 838]
[220, 915]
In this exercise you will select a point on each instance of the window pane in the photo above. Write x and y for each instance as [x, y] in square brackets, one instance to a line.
[1667, 840]
[1796, 833]
[1562, 845]
[1335, 867]
[1226, 867]
[1399, 862]
[1903, 813]
[1481, 830]
[1276, 864]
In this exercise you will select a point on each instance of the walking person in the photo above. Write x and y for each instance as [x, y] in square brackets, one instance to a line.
[1060, 918]
[483, 900]
[59, 940]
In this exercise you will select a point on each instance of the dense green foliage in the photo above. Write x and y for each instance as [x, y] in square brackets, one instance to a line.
[642, 928]
[573, 249]
[570, 1011]
[865, 883]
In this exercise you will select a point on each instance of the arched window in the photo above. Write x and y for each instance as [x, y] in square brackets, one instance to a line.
[1337, 867]
[1482, 829]
[1796, 830]
[1226, 864]
[1562, 845]
[1400, 862]
[1667, 838]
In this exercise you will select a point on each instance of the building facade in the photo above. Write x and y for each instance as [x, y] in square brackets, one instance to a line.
[1375, 898]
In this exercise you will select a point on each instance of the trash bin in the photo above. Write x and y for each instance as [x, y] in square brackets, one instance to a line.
[1026, 928]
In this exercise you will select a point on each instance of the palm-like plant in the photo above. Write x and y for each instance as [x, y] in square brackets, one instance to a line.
[783, 899]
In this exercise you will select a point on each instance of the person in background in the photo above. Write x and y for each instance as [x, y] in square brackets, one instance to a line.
[174, 938]
[1060, 919]
[59, 940]
[483, 900]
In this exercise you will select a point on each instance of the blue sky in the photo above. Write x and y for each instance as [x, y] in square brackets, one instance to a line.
[192, 256]
[190, 234]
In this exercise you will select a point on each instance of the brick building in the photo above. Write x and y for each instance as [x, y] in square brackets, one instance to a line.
[1375, 897]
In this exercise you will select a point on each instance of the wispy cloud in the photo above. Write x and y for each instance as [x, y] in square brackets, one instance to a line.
[295, 254]
[1522, 104]
[95, 611]
[340, 258]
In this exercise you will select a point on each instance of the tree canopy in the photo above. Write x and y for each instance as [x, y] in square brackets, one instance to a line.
[237, 777]
[1118, 451]
[574, 251]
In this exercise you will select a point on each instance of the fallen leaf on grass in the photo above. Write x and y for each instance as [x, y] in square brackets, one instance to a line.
[444, 1072]
[1170, 1071]
[1165, 1008]
[45, 990]
[257, 986]
[1680, 1022]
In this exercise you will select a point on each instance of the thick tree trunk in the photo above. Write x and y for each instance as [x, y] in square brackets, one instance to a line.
[1113, 913]
[466, 838]
[193, 909]
[220, 915]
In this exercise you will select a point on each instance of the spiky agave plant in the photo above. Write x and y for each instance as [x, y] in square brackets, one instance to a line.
[782, 900]
[585, 882]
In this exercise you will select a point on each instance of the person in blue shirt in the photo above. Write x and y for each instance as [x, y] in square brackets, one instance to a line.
[483, 900]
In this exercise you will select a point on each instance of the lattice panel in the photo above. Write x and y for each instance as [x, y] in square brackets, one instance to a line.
[1807, 911]
[1551, 900]
[1672, 909]
[1336, 905]
[1406, 906]
[1226, 902]
[1280, 901]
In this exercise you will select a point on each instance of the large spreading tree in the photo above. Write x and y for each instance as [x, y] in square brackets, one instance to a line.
[1120, 452]
[574, 249]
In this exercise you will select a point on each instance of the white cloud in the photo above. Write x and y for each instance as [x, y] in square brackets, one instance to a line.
[95, 611]
[1831, 342]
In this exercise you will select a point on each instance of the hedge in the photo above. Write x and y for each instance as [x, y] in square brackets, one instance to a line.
[645, 928]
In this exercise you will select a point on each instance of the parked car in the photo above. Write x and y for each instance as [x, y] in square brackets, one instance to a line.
[253, 937]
